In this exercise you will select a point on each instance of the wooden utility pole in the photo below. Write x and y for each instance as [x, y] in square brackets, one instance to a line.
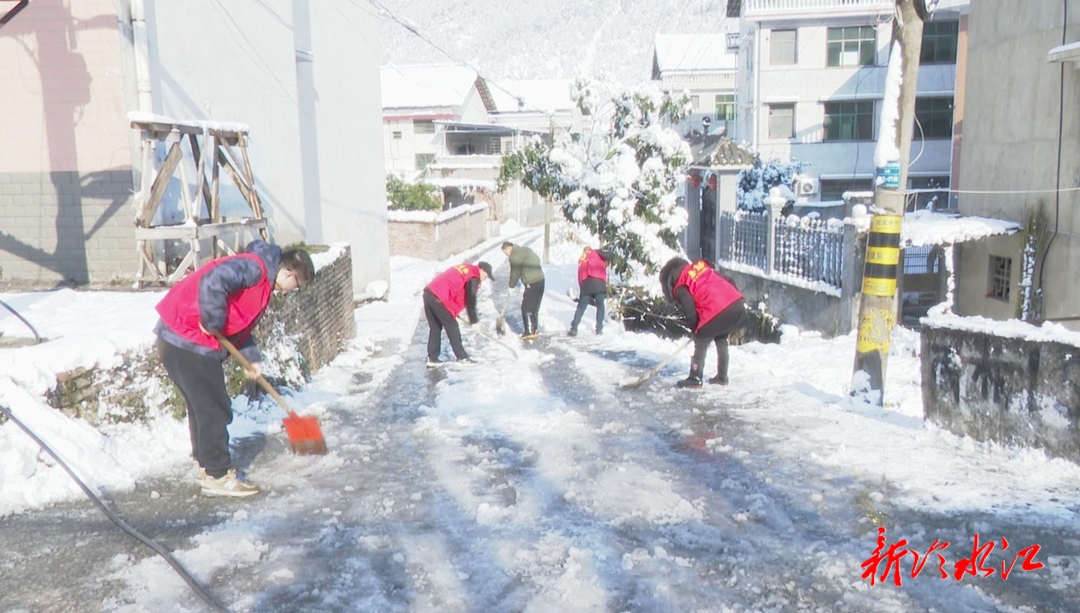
[877, 309]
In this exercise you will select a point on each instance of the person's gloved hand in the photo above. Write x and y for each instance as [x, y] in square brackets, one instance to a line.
[254, 371]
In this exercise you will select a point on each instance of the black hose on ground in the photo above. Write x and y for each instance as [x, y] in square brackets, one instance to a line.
[161, 551]
[37, 338]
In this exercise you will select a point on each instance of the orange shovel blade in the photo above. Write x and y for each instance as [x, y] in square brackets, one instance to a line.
[305, 436]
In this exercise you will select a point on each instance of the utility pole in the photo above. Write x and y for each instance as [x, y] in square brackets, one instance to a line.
[877, 309]
[547, 203]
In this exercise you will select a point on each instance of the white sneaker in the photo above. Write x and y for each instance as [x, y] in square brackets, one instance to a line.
[200, 476]
[228, 485]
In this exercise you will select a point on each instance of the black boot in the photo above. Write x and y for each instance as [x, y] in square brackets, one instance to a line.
[693, 381]
[718, 380]
[529, 323]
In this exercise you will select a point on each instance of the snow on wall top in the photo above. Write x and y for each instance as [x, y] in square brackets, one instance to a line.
[693, 52]
[544, 95]
[426, 85]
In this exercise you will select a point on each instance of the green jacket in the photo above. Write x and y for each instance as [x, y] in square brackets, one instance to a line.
[525, 265]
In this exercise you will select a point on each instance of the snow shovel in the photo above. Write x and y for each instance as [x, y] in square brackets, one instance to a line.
[637, 382]
[500, 322]
[305, 436]
[486, 334]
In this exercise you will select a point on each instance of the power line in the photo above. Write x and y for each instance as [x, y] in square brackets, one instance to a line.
[385, 11]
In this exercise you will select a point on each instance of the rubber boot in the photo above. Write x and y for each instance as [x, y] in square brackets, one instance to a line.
[693, 381]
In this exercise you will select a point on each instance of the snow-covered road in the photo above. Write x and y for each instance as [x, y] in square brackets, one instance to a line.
[538, 484]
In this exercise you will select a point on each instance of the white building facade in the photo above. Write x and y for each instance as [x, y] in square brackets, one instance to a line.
[811, 80]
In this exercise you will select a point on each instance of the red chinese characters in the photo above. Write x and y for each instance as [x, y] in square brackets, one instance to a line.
[891, 556]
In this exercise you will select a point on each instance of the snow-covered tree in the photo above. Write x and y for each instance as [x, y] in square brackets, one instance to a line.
[618, 179]
[755, 183]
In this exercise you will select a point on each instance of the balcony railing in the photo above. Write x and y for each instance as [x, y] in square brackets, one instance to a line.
[775, 8]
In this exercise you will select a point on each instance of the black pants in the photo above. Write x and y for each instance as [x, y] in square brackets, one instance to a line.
[530, 306]
[716, 331]
[583, 303]
[438, 317]
[201, 381]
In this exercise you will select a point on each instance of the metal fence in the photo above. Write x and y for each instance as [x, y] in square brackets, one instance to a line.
[808, 249]
[744, 238]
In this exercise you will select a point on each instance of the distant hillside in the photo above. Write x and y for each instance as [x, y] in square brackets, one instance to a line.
[542, 39]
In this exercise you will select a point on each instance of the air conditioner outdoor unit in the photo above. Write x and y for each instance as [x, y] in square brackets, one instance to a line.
[807, 186]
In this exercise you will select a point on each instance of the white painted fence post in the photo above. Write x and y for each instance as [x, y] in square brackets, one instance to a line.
[775, 203]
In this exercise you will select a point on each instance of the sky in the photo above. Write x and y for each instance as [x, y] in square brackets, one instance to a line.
[609, 490]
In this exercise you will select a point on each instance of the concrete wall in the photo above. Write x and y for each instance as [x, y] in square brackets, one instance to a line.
[1011, 132]
[1011, 391]
[438, 240]
[65, 167]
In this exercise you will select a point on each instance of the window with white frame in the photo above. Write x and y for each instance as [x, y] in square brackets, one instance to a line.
[495, 146]
[725, 106]
[783, 49]
[781, 121]
[849, 120]
[851, 46]
[423, 126]
[396, 134]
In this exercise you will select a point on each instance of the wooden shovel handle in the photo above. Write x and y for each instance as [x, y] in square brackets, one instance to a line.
[247, 366]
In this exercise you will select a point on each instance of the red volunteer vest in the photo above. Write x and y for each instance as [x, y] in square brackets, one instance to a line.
[179, 309]
[449, 286]
[711, 292]
[590, 264]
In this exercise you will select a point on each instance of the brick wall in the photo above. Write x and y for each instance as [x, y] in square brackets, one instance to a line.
[318, 318]
[440, 239]
[63, 227]
[316, 323]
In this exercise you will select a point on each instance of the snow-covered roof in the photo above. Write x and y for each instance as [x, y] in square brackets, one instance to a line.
[426, 85]
[693, 52]
[532, 96]
[923, 228]
[718, 151]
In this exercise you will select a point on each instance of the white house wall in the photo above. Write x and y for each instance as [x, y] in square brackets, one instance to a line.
[810, 83]
[242, 67]
[351, 175]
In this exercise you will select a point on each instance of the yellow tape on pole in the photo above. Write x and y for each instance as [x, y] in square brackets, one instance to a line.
[879, 287]
[886, 224]
[874, 330]
[888, 256]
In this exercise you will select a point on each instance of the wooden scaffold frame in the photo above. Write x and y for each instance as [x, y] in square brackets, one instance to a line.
[213, 149]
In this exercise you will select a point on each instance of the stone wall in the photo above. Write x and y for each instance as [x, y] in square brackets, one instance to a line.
[1011, 391]
[437, 237]
[66, 227]
[301, 332]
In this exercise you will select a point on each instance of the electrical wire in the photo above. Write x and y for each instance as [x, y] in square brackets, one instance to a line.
[156, 547]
